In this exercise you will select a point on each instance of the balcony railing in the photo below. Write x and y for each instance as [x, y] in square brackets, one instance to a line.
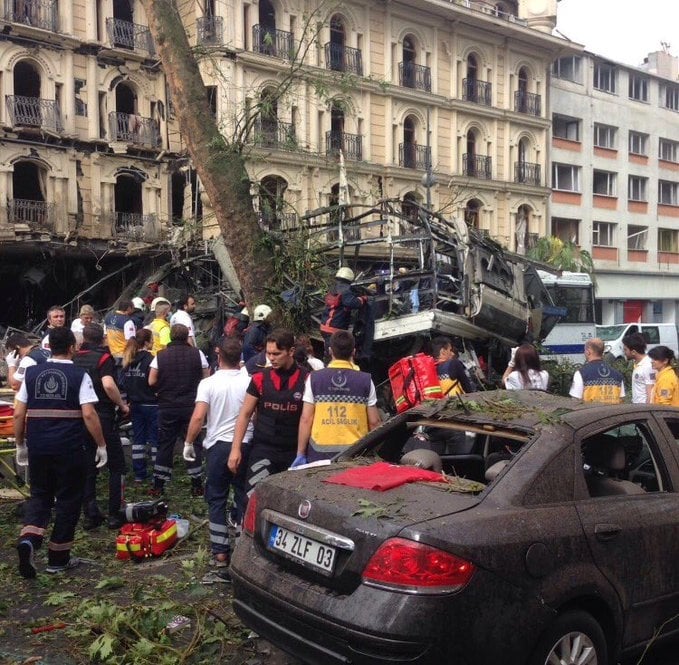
[527, 173]
[477, 166]
[350, 144]
[412, 75]
[275, 134]
[210, 30]
[479, 92]
[413, 156]
[490, 8]
[276, 43]
[37, 214]
[34, 112]
[130, 128]
[135, 227]
[36, 13]
[527, 102]
[123, 34]
[272, 221]
[343, 59]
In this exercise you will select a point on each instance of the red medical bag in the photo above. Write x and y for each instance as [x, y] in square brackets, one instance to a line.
[414, 379]
[138, 541]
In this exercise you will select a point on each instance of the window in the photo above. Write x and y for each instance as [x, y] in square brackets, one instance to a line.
[602, 234]
[566, 230]
[638, 143]
[667, 241]
[564, 127]
[672, 97]
[604, 77]
[566, 177]
[604, 136]
[637, 237]
[80, 104]
[668, 150]
[636, 190]
[603, 183]
[638, 87]
[567, 68]
[667, 192]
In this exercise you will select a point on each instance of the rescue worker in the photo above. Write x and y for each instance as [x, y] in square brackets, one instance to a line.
[54, 410]
[339, 405]
[159, 326]
[24, 354]
[452, 373]
[275, 395]
[596, 380]
[254, 339]
[643, 374]
[666, 388]
[185, 307]
[96, 360]
[56, 318]
[139, 312]
[119, 327]
[175, 374]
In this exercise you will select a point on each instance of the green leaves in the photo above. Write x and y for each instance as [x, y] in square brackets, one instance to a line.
[111, 583]
[102, 648]
[59, 598]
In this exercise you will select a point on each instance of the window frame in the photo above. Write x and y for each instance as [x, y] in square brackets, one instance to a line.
[604, 136]
[668, 234]
[642, 139]
[665, 187]
[611, 182]
[574, 176]
[638, 81]
[565, 223]
[639, 236]
[575, 67]
[605, 77]
[673, 147]
[603, 231]
[670, 97]
[559, 120]
[642, 196]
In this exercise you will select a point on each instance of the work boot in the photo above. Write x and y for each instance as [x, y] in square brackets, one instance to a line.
[92, 521]
[26, 559]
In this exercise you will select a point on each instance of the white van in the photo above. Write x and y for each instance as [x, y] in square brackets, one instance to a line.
[655, 334]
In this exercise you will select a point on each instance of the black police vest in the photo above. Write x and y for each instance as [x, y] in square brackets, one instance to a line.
[280, 409]
[179, 373]
[92, 360]
[136, 377]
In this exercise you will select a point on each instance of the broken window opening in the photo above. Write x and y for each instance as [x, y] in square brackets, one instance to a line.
[28, 204]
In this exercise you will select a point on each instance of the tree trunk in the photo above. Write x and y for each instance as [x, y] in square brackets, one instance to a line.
[220, 165]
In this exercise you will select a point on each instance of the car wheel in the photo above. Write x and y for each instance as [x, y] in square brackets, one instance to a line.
[575, 637]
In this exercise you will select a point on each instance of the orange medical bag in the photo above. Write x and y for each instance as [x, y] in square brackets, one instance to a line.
[139, 541]
[6, 420]
[414, 379]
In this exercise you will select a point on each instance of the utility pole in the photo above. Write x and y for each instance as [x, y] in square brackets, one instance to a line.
[428, 179]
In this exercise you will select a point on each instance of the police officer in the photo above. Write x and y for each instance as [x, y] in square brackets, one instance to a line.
[54, 410]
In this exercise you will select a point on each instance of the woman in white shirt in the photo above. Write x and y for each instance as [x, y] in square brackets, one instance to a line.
[527, 374]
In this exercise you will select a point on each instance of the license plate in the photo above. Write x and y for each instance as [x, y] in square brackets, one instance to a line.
[316, 555]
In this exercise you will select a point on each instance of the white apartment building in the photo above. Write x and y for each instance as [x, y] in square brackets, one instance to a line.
[615, 179]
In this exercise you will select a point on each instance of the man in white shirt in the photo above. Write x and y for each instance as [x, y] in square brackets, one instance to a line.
[56, 318]
[643, 374]
[219, 399]
[24, 354]
[185, 307]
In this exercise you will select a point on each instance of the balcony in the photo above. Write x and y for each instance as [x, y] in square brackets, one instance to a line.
[479, 92]
[343, 59]
[34, 112]
[527, 102]
[492, 10]
[210, 30]
[477, 166]
[277, 221]
[350, 145]
[276, 43]
[130, 128]
[37, 214]
[527, 173]
[411, 75]
[412, 156]
[42, 14]
[132, 36]
[135, 227]
[275, 134]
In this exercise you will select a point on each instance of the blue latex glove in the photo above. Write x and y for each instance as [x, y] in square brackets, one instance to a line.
[299, 460]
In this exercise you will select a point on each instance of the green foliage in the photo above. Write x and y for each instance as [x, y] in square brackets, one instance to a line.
[59, 598]
[562, 255]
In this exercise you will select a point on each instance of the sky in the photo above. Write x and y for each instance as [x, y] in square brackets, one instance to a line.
[623, 30]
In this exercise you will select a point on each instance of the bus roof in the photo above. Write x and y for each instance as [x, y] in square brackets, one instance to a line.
[565, 278]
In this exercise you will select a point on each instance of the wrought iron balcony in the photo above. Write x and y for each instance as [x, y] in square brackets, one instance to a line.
[351, 145]
[527, 102]
[124, 34]
[276, 220]
[275, 134]
[527, 173]
[37, 214]
[477, 166]
[414, 156]
[36, 13]
[411, 75]
[210, 30]
[479, 92]
[34, 112]
[130, 128]
[276, 43]
[135, 227]
[343, 59]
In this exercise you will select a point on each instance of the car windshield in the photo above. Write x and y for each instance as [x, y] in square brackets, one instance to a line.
[608, 333]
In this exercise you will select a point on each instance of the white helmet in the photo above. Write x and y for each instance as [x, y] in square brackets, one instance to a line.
[139, 303]
[345, 273]
[159, 301]
[245, 312]
[261, 312]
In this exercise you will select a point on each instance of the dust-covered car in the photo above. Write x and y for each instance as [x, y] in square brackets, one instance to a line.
[550, 537]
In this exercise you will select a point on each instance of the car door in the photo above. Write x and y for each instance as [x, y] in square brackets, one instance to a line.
[633, 531]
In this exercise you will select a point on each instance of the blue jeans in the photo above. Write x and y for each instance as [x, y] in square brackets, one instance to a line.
[145, 432]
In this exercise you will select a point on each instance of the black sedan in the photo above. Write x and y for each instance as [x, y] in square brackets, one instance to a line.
[551, 535]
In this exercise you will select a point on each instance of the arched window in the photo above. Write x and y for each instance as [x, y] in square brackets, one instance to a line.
[522, 92]
[267, 130]
[335, 141]
[25, 106]
[408, 66]
[28, 204]
[272, 202]
[470, 83]
[337, 44]
[125, 122]
[471, 213]
[410, 208]
[523, 237]
[409, 146]
[130, 221]
[266, 37]
[469, 166]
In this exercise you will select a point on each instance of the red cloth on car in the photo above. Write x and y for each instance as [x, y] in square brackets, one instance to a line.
[383, 476]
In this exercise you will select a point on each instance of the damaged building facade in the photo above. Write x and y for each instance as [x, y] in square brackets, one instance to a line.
[89, 175]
